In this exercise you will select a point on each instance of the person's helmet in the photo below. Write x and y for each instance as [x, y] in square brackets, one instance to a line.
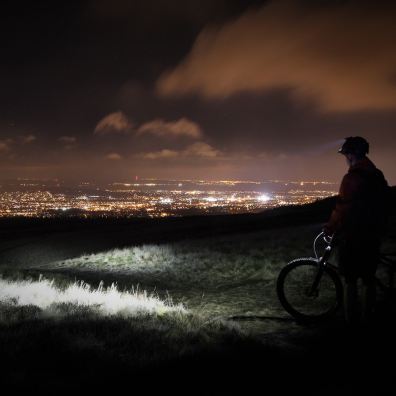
[354, 145]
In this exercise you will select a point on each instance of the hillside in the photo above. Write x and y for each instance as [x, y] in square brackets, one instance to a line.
[203, 303]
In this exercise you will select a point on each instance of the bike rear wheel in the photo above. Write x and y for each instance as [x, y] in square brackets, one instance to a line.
[298, 296]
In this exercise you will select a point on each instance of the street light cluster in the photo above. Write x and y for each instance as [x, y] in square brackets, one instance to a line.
[152, 200]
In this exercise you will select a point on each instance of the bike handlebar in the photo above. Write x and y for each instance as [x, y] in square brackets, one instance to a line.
[327, 238]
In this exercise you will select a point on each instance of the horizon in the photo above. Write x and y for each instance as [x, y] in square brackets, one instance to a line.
[131, 182]
[154, 197]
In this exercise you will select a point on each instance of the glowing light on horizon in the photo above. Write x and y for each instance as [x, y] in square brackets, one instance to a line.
[263, 198]
[210, 199]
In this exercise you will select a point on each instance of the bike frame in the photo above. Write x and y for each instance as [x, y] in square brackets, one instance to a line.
[322, 261]
[316, 268]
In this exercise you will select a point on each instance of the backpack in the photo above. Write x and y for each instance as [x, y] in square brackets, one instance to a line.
[376, 199]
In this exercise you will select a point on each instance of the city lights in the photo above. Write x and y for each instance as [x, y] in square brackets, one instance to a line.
[156, 198]
[263, 198]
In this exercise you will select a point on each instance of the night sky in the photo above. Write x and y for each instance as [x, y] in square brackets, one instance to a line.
[210, 89]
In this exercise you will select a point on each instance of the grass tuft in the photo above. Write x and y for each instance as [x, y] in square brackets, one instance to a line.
[106, 301]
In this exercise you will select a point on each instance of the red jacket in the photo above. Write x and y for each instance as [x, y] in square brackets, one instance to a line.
[361, 206]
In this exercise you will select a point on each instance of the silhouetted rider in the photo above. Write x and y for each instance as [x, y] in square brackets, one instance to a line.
[358, 221]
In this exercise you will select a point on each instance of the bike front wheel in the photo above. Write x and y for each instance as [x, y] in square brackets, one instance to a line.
[307, 292]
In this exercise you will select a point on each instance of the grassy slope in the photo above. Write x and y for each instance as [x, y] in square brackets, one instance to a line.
[81, 348]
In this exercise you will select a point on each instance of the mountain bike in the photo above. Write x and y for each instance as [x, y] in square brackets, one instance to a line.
[310, 289]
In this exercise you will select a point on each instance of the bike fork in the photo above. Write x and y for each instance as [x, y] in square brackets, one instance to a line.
[314, 288]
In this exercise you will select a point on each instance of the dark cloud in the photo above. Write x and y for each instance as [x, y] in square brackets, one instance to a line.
[26, 139]
[178, 128]
[114, 156]
[340, 56]
[116, 122]
[68, 139]
[161, 154]
[4, 146]
[195, 150]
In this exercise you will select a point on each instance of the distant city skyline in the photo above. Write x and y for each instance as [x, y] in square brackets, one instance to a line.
[154, 198]
[229, 89]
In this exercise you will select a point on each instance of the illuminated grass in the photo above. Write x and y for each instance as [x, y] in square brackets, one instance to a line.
[207, 263]
[80, 329]
[44, 295]
[213, 277]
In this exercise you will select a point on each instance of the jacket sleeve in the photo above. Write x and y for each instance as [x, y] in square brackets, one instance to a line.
[349, 191]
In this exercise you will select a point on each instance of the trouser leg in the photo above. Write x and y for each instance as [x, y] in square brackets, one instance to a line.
[368, 299]
[351, 302]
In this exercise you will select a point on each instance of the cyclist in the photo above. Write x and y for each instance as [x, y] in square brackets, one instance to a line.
[358, 221]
